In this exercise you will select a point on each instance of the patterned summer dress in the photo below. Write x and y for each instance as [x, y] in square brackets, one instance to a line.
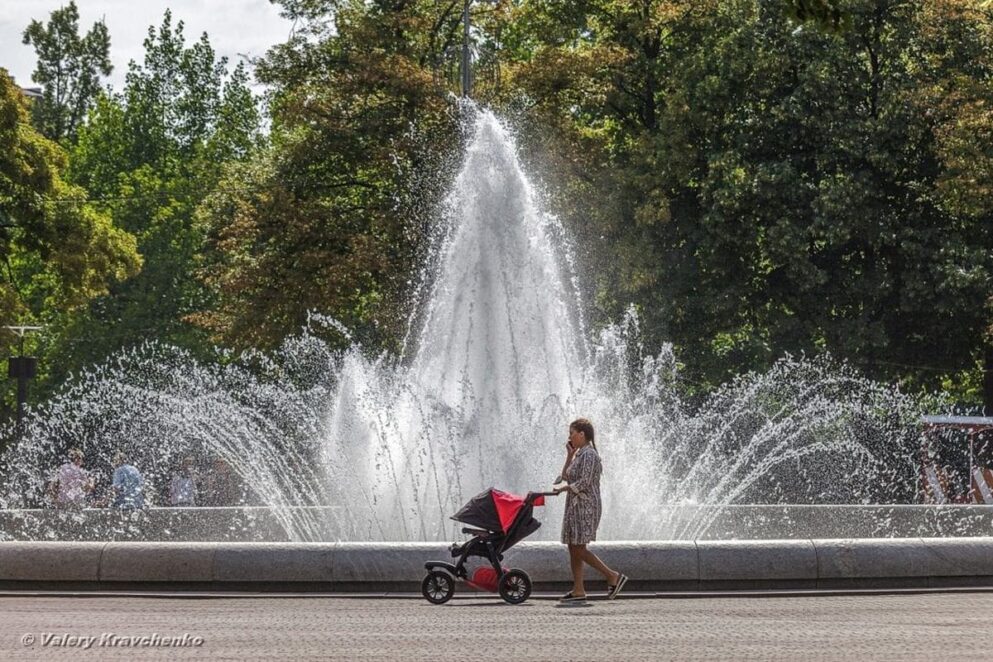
[582, 502]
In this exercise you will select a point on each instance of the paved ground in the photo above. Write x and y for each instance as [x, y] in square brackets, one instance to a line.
[849, 627]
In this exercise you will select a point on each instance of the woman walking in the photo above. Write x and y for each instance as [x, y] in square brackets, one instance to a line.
[581, 473]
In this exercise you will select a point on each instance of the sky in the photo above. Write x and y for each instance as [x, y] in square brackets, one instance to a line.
[236, 28]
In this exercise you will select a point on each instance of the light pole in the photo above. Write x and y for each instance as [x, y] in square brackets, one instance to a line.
[466, 57]
[466, 50]
[22, 368]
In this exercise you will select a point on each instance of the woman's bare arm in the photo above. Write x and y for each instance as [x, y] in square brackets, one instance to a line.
[568, 460]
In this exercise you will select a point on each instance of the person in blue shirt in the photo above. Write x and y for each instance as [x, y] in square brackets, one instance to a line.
[127, 484]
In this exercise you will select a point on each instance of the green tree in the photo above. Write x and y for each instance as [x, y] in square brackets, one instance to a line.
[962, 102]
[757, 189]
[69, 67]
[148, 156]
[333, 217]
[57, 251]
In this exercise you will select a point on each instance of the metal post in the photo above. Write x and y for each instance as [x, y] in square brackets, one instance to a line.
[466, 59]
[973, 487]
[22, 368]
[22, 399]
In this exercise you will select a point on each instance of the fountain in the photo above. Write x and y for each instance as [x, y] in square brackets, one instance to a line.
[342, 445]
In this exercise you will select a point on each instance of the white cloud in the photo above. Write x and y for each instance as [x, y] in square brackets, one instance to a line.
[235, 28]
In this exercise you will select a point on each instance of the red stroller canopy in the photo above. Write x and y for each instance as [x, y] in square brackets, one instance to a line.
[494, 510]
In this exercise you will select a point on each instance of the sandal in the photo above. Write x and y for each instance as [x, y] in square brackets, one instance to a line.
[614, 590]
[569, 597]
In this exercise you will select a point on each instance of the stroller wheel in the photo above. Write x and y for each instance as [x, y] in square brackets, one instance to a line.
[515, 586]
[438, 587]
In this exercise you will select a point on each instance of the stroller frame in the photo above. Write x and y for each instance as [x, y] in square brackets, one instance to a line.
[489, 545]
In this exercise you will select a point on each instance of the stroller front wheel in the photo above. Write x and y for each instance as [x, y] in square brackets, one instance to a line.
[438, 587]
[515, 586]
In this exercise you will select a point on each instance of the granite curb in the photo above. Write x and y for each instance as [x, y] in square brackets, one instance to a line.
[717, 565]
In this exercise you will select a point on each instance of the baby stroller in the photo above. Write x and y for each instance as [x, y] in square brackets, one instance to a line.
[498, 521]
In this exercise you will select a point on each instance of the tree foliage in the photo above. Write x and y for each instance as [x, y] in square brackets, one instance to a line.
[332, 217]
[147, 157]
[55, 248]
[756, 177]
[57, 252]
[827, 13]
[755, 188]
[69, 67]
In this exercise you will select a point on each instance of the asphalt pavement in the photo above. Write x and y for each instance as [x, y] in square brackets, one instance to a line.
[866, 626]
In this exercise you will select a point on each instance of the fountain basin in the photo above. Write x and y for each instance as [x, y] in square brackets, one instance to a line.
[734, 522]
[379, 567]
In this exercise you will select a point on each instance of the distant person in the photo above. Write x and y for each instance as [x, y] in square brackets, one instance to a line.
[127, 484]
[222, 487]
[72, 483]
[183, 487]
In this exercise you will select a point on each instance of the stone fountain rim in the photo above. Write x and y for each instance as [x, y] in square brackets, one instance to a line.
[357, 566]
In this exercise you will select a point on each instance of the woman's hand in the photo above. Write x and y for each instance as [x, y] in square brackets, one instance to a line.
[570, 451]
